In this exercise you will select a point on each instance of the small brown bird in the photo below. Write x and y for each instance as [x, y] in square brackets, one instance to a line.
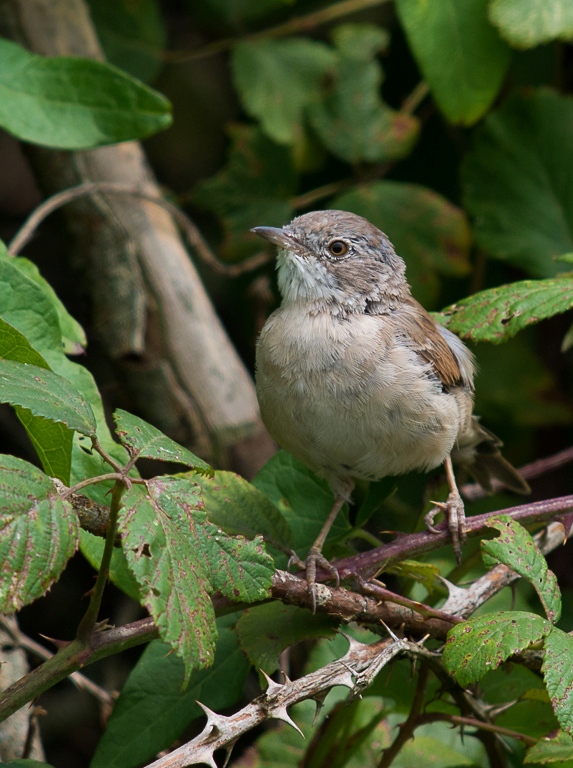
[357, 380]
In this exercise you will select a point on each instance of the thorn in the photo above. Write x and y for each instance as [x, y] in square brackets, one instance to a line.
[213, 719]
[282, 714]
[228, 750]
[272, 687]
[319, 700]
[392, 634]
[58, 643]
[346, 679]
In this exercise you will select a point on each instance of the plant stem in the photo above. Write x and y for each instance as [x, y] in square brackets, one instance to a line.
[89, 621]
[91, 481]
[291, 27]
[72, 657]
[407, 728]
[432, 717]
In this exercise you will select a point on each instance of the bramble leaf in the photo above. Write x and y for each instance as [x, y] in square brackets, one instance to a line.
[555, 749]
[499, 313]
[266, 630]
[180, 559]
[459, 52]
[239, 508]
[526, 23]
[149, 442]
[482, 644]
[351, 118]
[72, 103]
[45, 394]
[276, 79]
[39, 532]
[516, 548]
[558, 675]
[514, 185]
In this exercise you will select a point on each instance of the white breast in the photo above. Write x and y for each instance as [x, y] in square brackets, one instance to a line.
[345, 398]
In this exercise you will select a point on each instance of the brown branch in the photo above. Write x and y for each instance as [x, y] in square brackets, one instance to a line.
[189, 229]
[369, 563]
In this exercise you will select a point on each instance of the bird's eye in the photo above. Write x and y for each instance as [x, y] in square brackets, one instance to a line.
[337, 248]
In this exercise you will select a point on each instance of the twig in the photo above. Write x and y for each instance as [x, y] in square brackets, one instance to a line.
[432, 717]
[292, 27]
[81, 682]
[191, 233]
[407, 728]
[369, 563]
[355, 670]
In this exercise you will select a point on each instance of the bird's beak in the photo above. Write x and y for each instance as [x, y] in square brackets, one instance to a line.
[275, 235]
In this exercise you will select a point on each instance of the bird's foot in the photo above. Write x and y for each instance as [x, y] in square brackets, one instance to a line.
[315, 559]
[453, 509]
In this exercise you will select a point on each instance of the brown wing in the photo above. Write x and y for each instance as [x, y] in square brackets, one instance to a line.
[419, 327]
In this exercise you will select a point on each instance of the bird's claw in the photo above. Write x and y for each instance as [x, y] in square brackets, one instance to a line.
[453, 508]
[315, 559]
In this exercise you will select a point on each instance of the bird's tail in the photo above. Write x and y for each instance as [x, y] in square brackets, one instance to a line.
[478, 451]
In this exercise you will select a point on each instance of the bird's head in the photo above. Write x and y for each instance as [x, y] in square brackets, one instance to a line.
[336, 259]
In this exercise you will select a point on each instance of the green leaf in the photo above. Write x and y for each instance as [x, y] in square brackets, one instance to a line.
[153, 709]
[558, 675]
[526, 23]
[459, 53]
[92, 547]
[276, 79]
[351, 119]
[253, 189]
[515, 548]
[69, 103]
[266, 630]
[179, 559]
[52, 442]
[39, 532]
[132, 35]
[430, 233]
[554, 749]
[303, 499]
[499, 313]
[27, 305]
[146, 441]
[45, 394]
[482, 644]
[514, 185]
[239, 508]
[73, 336]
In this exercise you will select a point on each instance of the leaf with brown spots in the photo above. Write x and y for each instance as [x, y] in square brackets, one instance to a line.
[39, 532]
[515, 548]
[144, 440]
[558, 675]
[485, 642]
[499, 313]
[180, 559]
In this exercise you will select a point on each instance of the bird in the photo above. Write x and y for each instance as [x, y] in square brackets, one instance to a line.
[357, 380]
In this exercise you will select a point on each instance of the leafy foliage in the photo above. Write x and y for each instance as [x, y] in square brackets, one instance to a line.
[516, 548]
[167, 531]
[74, 103]
[459, 53]
[314, 107]
[499, 313]
[39, 532]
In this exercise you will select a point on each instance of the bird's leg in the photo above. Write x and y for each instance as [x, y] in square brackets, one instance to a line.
[315, 557]
[453, 508]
